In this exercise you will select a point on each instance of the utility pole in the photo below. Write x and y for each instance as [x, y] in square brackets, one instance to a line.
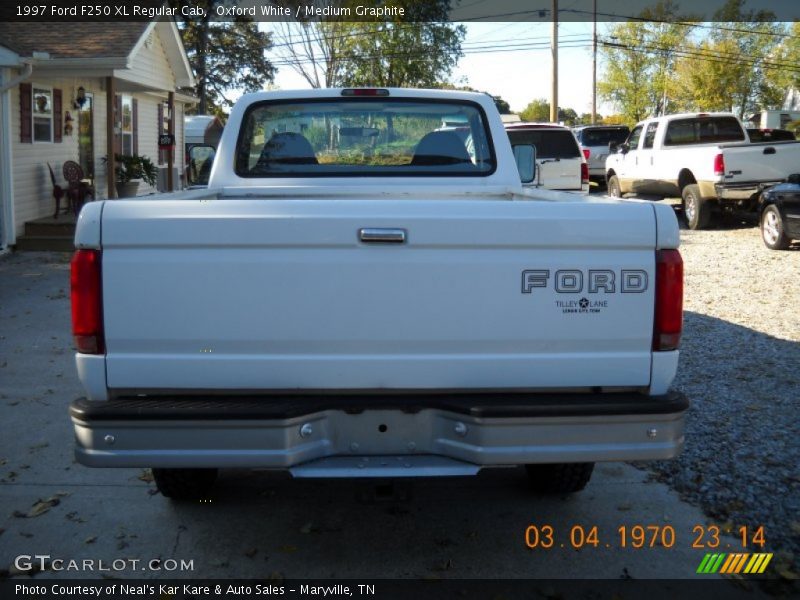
[594, 62]
[554, 79]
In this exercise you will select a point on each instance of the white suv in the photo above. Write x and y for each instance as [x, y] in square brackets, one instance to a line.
[560, 164]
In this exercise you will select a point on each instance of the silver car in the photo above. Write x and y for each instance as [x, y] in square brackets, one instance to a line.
[594, 141]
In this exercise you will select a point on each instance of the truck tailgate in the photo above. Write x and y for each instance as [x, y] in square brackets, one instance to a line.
[762, 162]
[264, 294]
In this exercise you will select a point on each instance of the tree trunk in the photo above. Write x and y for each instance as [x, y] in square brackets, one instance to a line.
[202, 45]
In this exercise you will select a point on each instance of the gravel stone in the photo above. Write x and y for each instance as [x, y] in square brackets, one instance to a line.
[740, 368]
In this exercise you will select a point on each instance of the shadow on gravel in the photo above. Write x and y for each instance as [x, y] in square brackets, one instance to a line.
[741, 462]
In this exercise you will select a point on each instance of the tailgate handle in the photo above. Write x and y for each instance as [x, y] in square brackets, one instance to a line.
[769, 150]
[382, 235]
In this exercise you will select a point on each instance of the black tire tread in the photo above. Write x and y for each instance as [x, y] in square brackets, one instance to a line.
[783, 241]
[613, 182]
[560, 478]
[703, 207]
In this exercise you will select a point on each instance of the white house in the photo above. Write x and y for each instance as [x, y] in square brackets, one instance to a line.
[80, 93]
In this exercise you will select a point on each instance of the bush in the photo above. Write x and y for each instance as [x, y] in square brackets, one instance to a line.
[134, 167]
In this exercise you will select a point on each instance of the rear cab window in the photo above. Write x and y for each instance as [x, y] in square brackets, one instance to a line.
[703, 130]
[364, 137]
[604, 136]
[549, 142]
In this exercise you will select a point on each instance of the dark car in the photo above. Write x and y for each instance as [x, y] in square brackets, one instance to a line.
[780, 213]
[770, 135]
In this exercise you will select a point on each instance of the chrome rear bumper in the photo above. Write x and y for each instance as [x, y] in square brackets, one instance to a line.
[535, 429]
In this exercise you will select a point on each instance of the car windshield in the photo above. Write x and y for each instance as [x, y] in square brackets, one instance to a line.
[603, 137]
[550, 143]
[364, 137]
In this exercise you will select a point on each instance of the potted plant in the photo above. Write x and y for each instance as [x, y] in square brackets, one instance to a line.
[130, 170]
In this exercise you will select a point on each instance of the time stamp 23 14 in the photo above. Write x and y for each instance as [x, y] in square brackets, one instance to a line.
[639, 536]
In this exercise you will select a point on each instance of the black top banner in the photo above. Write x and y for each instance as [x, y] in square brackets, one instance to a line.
[55, 11]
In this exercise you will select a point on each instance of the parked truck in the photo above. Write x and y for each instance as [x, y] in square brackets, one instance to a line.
[396, 307]
[706, 159]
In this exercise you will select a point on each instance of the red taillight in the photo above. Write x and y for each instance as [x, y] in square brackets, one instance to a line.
[587, 153]
[719, 165]
[668, 322]
[87, 302]
[584, 173]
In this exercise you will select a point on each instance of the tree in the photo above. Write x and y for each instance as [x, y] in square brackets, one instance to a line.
[537, 111]
[729, 70]
[787, 56]
[640, 58]
[316, 50]
[568, 116]
[503, 107]
[224, 55]
[586, 119]
[419, 51]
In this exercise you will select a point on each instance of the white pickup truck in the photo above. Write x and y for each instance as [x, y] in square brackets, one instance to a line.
[706, 159]
[357, 295]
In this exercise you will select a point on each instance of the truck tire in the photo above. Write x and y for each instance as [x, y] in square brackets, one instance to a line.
[772, 230]
[560, 478]
[613, 188]
[696, 210]
[184, 484]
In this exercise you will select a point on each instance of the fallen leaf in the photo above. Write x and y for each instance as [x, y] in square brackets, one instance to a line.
[146, 476]
[625, 506]
[73, 516]
[795, 526]
[307, 528]
[39, 508]
[90, 540]
[288, 549]
[251, 553]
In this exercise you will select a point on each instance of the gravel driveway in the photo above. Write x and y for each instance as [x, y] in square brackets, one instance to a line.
[740, 366]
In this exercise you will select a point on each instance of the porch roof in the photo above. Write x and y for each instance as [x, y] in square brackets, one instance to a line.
[94, 49]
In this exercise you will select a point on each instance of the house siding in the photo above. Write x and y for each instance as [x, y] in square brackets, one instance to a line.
[149, 65]
[150, 75]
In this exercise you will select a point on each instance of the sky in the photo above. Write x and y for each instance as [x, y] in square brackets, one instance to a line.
[512, 60]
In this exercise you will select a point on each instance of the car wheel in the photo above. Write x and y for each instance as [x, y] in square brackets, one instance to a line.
[696, 210]
[560, 478]
[613, 187]
[772, 229]
[184, 484]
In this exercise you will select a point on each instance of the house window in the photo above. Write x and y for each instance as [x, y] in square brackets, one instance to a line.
[42, 114]
[126, 130]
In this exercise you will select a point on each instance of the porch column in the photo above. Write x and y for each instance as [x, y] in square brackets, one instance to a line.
[171, 131]
[112, 162]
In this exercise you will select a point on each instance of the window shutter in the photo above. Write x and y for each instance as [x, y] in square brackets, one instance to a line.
[25, 116]
[58, 125]
[160, 130]
[135, 123]
[117, 124]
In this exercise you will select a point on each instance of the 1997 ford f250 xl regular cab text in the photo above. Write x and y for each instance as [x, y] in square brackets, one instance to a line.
[366, 290]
